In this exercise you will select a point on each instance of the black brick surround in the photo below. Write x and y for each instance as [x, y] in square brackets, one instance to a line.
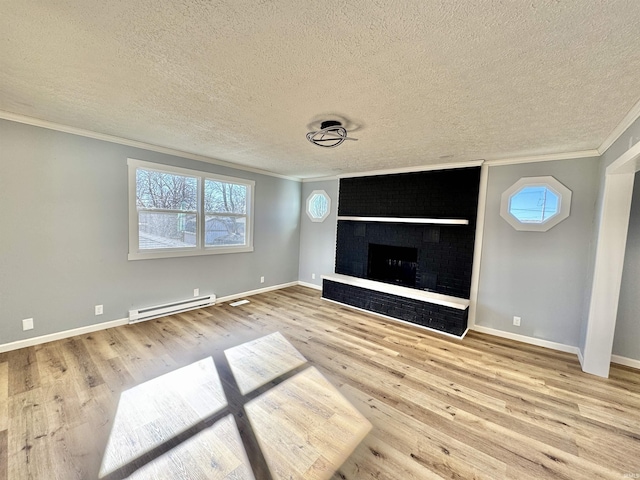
[435, 194]
[438, 317]
[445, 252]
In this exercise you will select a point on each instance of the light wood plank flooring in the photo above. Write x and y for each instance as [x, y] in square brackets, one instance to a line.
[484, 407]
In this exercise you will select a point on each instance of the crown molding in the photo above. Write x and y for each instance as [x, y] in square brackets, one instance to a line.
[476, 163]
[626, 122]
[421, 168]
[543, 158]
[320, 179]
[36, 122]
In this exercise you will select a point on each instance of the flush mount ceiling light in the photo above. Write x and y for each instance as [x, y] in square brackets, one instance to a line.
[331, 134]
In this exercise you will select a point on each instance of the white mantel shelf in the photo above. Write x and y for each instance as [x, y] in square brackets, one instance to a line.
[433, 221]
[421, 295]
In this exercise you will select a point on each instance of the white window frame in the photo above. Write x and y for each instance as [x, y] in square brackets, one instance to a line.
[328, 200]
[200, 249]
[564, 203]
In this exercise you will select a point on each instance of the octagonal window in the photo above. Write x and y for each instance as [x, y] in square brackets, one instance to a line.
[535, 204]
[318, 205]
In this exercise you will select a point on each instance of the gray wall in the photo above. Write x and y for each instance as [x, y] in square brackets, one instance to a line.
[318, 239]
[64, 235]
[539, 276]
[626, 341]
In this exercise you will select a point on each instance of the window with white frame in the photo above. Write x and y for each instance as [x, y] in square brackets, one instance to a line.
[535, 204]
[318, 205]
[178, 212]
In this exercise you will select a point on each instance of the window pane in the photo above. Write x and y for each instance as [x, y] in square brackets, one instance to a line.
[222, 230]
[535, 204]
[222, 197]
[166, 230]
[318, 206]
[168, 191]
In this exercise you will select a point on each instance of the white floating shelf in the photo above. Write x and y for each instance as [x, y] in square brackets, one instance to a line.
[434, 221]
[424, 296]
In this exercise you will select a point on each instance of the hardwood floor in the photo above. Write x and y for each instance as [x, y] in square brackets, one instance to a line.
[484, 407]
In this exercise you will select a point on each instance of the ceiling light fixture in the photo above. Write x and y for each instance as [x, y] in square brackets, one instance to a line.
[330, 135]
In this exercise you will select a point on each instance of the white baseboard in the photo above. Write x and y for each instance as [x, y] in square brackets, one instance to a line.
[629, 362]
[255, 292]
[581, 358]
[310, 285]
[30, 342]
[530, 340]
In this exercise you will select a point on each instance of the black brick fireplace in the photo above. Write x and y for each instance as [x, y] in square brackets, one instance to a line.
[414, 230]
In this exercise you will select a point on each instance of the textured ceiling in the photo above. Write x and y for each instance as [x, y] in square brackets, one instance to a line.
[243, 81]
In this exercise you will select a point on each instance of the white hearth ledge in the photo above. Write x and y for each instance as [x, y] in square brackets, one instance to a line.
[421, 295]
[432, 221]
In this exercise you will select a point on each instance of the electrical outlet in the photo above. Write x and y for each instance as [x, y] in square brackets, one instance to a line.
[196, 292]
[261, 279]
[27, 324]
[313, 276]
[99, 310]
[516, 321]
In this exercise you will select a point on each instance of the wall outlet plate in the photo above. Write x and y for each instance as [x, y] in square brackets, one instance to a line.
[261, 279]
[516, 321]
[313, 276]
[196, 292]
[99, 310]
[27, 324]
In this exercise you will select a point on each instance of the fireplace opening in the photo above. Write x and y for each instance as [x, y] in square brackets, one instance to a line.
[389, 264]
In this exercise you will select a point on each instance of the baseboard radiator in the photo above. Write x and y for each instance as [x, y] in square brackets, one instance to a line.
[148, 313]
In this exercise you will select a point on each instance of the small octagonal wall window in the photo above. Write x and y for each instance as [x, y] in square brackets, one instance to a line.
[535, 204]
[318, 205]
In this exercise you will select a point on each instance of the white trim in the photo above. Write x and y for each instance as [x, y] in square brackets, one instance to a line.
[434, 221]
[400, 291]
[222, 300]
[310, 285]
[625, 123]
[450, 335]
[608, 265]
[320, 179]
[188, 253]
[561, 347]
[615, 208]
[14, 117]
[629, 362]
[550, 183]
[477, 248]
[420, 168]
[551, 157]
[200, 248]
[625, 163]
[30, 342]
[326, 213]
[580, 358]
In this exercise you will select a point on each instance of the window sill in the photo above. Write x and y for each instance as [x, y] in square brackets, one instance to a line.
[189, 253]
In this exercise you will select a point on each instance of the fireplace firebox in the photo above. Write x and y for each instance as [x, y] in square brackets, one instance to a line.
[390, 264]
